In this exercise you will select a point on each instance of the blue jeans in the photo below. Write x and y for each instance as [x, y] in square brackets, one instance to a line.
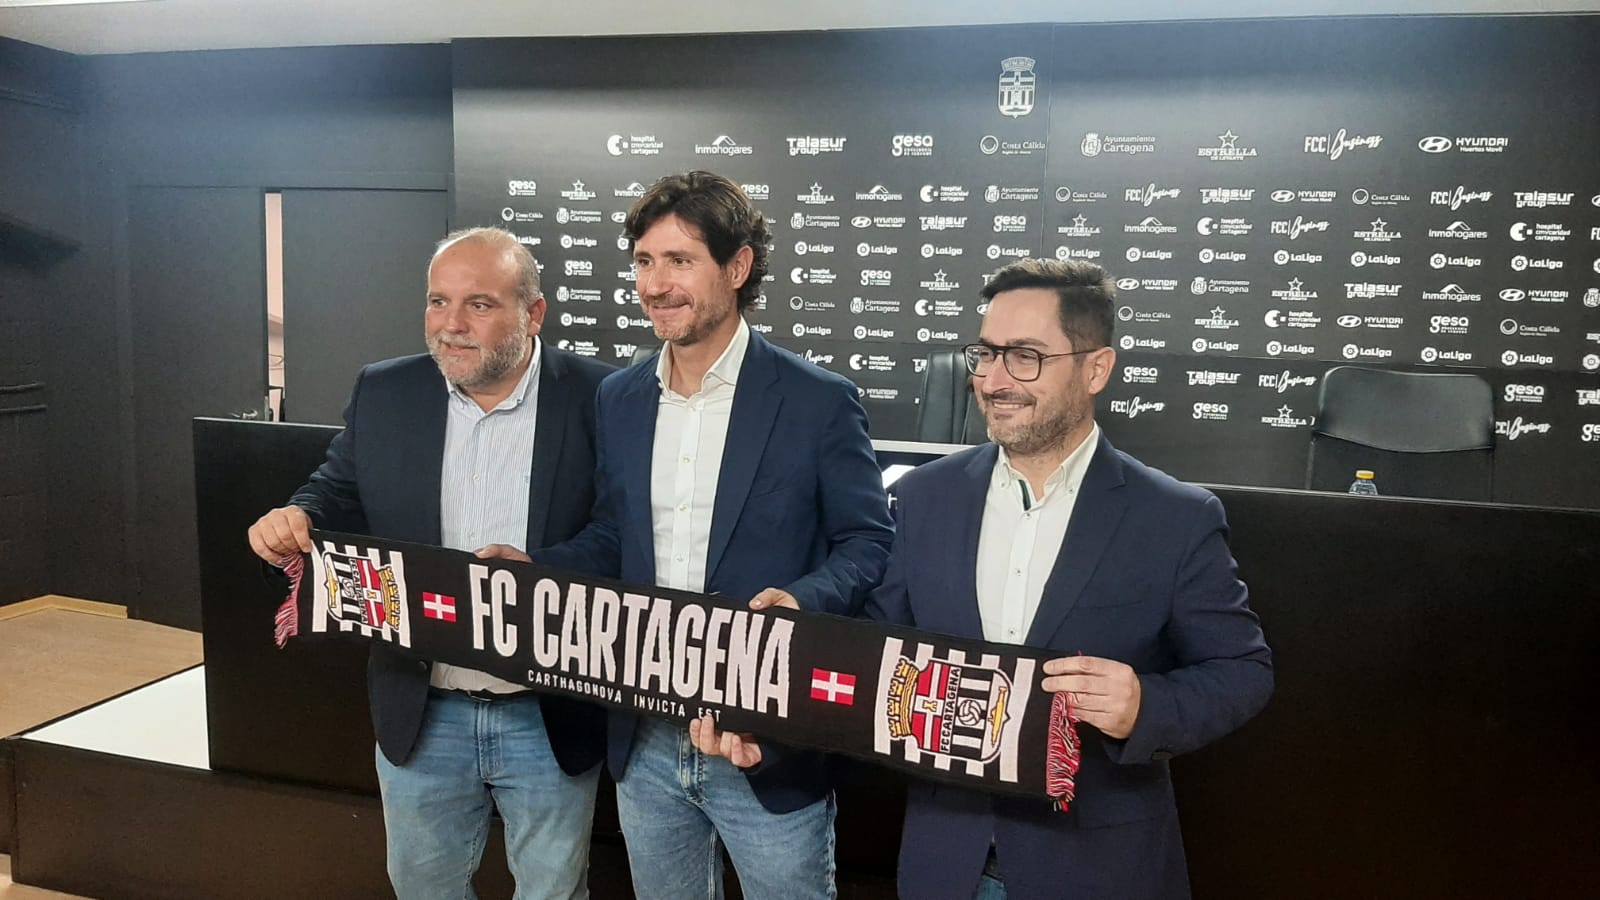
[989, 889]
[473, 756]
[679, 808]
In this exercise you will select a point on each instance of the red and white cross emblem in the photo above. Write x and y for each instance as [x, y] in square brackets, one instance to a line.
[834, 687]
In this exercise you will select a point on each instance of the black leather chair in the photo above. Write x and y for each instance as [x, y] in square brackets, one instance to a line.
[644, 352]
[1422, 434]
[949, 412]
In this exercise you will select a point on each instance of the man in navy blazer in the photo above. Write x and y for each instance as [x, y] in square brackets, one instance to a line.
[1051, 538]
[733, 467]
[489, 437]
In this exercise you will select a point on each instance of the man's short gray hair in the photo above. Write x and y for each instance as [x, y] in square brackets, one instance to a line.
[527, 271]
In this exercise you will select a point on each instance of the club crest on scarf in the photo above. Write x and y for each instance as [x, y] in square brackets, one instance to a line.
[361, 591]
[956, 710]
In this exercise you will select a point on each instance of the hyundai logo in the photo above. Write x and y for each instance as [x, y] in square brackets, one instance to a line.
[1434, 144]
[1127, 284]
[1349, 321]
[1512, 295]
[1282, 196]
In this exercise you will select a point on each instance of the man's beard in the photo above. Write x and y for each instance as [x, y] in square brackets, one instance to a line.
[499, 361]
[1038, 435]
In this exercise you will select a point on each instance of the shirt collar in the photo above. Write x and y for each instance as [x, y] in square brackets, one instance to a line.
[518, 395]
[724, 371]
[1068, 475]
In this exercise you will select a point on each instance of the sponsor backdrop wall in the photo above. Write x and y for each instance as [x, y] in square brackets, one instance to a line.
[1272, 198]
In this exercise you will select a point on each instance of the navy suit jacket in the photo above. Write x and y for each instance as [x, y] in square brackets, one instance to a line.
[1145, 577]
[800, 506]
[381, 478]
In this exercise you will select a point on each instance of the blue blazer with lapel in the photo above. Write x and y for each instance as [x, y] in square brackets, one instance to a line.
[381, 477]
[1145, 577]
[800, 506]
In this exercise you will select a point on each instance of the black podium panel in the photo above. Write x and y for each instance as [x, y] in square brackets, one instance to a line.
[1436, 714]
[299, 713]
[1431, 734]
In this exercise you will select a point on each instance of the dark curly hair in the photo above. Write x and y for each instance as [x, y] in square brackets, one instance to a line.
[1087, 295]
[719, 209]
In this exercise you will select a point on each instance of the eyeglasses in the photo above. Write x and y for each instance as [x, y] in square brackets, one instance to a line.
[1023, 363]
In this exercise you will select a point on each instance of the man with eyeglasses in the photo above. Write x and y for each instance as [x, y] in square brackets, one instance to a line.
[1051, 538]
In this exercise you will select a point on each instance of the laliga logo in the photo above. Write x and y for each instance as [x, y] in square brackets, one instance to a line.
[1434, 144]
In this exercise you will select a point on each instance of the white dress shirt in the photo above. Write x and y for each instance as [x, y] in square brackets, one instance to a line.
[1020, 538]
[483, 489]
[686, 461]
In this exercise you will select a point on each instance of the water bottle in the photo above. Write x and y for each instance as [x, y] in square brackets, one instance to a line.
[1364, 485]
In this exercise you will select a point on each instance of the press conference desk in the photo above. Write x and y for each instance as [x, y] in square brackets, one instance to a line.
[1432, 734]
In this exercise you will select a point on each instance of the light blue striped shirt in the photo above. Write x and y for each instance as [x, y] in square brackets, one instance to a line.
[483, 487]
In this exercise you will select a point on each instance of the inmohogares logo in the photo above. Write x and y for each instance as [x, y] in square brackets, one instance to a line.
[723, 145]
[911, 145]
[522, 188]
[815, 145]
[1458, 231]
[879, 194]
[1333, 146]
[1017, 86]
[1453, 293]
[1227, 149]
[1150, 225]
